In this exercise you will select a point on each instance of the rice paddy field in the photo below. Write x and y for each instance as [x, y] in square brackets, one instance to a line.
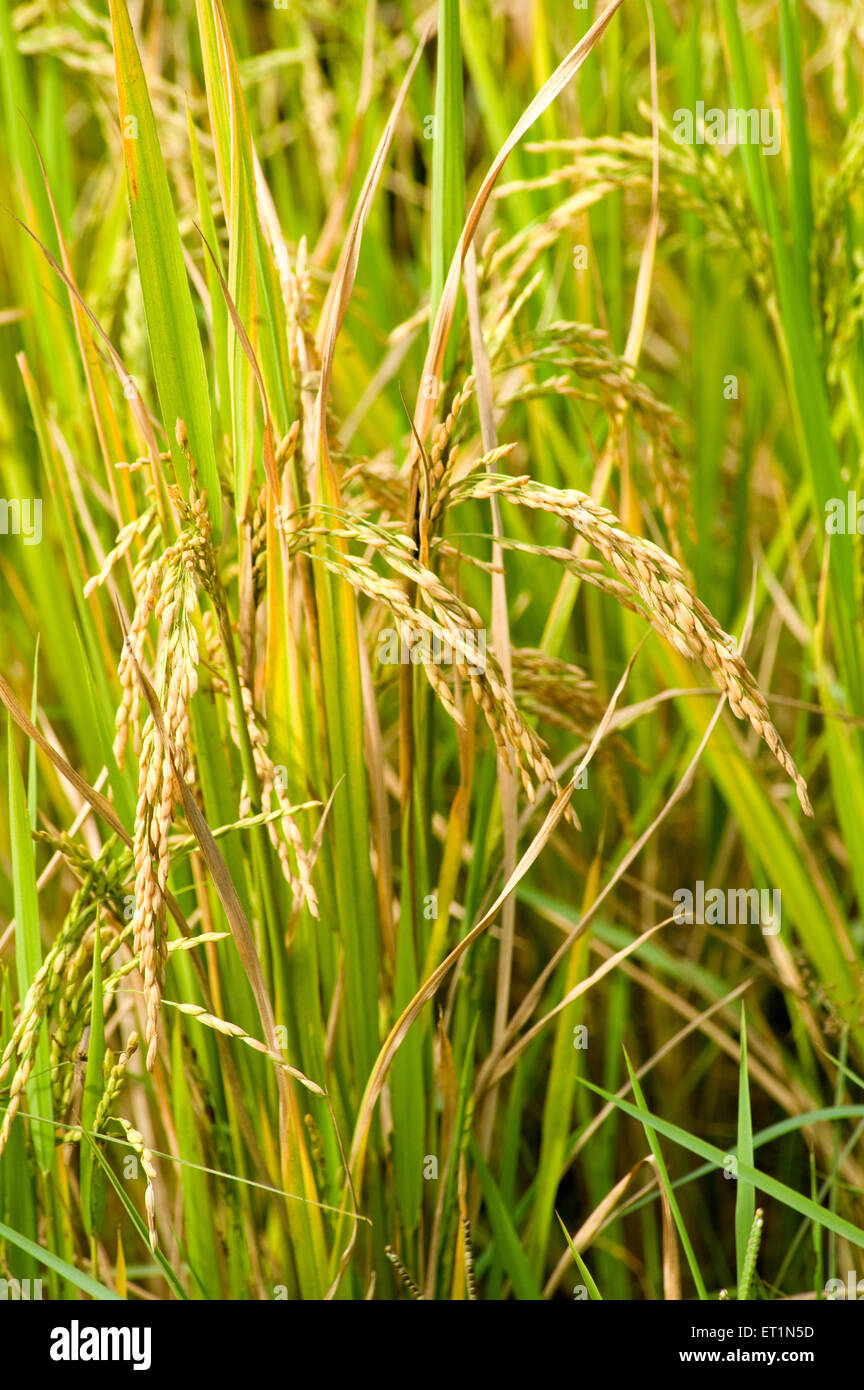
[431, 654]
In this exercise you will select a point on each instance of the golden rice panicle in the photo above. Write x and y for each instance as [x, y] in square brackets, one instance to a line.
[137, 1144]
[272, 789]
[158, 788]
[50, 986]
[658, 581]
[146, 581]
[125, 538]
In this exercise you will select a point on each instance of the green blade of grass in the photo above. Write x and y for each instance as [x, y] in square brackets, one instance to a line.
[18, 1181]
[513, 1257]
[762, 1181]
[231, 139]
[593, 1292]
[799, 143]
[408, 1098]
[558, 1109]
[92, 1178]
[175, 345]
[745, 1194]
[663, 1178]
[198, 1222]
[218, 308]
[448, 157]
[69, 1272]
[28, 951]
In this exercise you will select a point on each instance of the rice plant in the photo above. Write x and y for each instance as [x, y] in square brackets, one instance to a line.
[433, 851]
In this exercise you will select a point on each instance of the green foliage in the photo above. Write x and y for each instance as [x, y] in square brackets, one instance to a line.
[360, 1081]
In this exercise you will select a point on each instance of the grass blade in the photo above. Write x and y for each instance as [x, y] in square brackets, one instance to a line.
[175, 345]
